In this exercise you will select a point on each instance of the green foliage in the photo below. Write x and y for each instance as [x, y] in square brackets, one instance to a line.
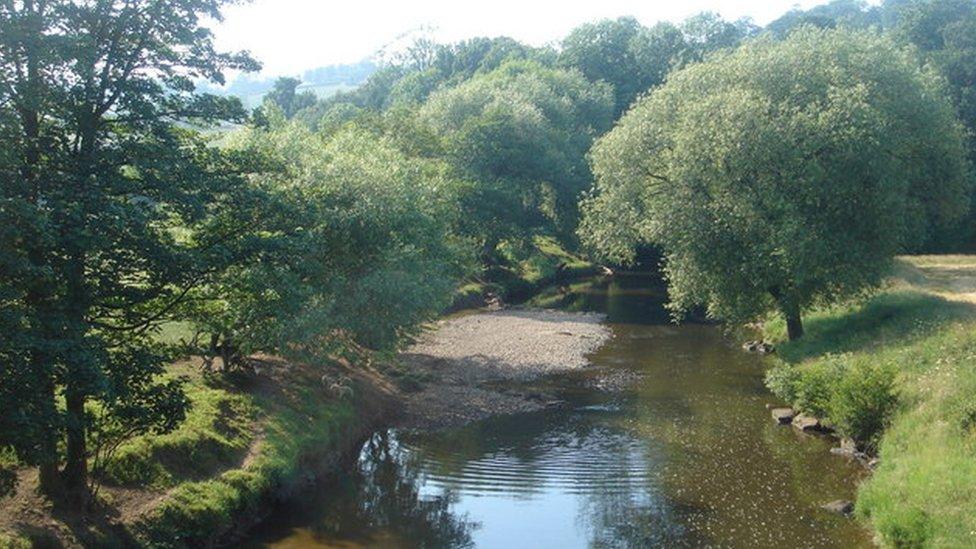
[357, 246]
[624, 53]
[286, 97]
[781, 175]
[836, 13]
[856, 395]
[97, 187]
[519, 135]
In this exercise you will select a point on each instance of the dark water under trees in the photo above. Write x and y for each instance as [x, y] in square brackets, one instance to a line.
[686, 457]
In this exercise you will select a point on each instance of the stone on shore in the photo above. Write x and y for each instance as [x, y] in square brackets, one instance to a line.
[783, 416]
[809, 424]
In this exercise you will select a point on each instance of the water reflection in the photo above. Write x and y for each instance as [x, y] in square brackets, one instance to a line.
[379, 504]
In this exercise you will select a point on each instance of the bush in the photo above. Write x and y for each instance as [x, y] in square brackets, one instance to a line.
[862, 400]
[855, 395]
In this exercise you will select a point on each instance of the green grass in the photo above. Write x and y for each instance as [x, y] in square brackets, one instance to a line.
[296, 424]
[14, 541]
[900, 371]
[215, 435]
[174, 333]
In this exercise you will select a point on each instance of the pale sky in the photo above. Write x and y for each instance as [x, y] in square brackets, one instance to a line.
[290, 36]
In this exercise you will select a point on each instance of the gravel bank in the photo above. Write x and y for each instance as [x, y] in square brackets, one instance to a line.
[469, 357]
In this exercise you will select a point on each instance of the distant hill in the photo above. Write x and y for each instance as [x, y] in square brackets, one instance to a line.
[323, 81]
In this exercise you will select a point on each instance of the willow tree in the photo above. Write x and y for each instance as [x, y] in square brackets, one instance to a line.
[781, 175]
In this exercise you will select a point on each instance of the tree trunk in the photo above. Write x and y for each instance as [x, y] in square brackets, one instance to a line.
[76, 465]
[794, 323]
[81, 374]
[49, 478]
[791, 312]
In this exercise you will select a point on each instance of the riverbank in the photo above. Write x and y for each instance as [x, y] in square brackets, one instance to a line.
[522, 272]
[898, 373]
[249, 441]
[254, 439]
[467, 360]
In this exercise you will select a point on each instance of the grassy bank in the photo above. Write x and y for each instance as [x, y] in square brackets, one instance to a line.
[248, 440]
[523, 271]
[898, 373]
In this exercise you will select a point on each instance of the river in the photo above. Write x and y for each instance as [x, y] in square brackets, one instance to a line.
[685, 454]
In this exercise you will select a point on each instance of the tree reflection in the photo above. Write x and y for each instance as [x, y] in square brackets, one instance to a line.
[378, 504]
[389, 498]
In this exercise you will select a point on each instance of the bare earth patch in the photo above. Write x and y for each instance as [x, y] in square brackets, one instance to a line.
[467, 357]
[950, 276]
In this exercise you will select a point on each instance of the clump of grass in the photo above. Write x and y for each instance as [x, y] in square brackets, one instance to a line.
[14, 541]
[899, 373]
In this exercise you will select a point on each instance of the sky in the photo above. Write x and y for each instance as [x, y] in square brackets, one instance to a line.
[291, 36]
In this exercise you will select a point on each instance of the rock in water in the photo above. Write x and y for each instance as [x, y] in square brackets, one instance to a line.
[783, 416]
[841, 507]
[808, 424]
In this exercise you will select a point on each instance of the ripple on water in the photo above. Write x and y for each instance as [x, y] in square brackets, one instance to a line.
[598, 463]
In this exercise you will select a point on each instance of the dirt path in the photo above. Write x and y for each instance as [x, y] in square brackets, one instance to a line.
[950, 276]
[466, 359]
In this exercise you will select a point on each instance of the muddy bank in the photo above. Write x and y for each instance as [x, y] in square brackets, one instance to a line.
[483, 364]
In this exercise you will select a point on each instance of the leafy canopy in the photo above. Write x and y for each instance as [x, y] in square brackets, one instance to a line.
[520, 134]
[781, 174]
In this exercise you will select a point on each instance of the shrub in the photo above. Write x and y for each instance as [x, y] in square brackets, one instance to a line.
[862, 400]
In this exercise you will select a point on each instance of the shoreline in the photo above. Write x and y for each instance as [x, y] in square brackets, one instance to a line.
[473, 361]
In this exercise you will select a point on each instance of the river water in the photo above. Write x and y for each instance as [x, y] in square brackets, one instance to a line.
[664, 442]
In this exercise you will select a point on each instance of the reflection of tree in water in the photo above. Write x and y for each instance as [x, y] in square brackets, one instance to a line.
[385, 496]
[632, 511]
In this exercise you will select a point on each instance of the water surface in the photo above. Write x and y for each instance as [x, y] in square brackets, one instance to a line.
[686, 455]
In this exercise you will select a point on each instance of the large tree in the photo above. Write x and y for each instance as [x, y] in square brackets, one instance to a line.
[111, 213]
[358, 248]
[782, 175]
[625, 54]
[520, 134]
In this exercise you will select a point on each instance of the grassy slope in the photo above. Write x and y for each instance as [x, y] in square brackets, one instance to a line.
[245, 442]
[293, 425]
[900, 371]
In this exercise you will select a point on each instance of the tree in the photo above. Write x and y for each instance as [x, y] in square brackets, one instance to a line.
[358, 248]
[285, 95]
[781, 175]
[519, 135]
[623, 53]
[109, 208]
[708, 32]
[836, 13]
[945, 33]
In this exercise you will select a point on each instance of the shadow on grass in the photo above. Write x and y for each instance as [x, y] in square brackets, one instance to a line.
[890, 319]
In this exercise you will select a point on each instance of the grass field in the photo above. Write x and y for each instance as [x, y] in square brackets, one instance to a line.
[898, 372]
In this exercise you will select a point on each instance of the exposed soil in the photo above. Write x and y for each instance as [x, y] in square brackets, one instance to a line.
[474, 363]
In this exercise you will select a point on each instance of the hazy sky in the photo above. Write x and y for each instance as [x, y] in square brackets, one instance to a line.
[290, 36]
